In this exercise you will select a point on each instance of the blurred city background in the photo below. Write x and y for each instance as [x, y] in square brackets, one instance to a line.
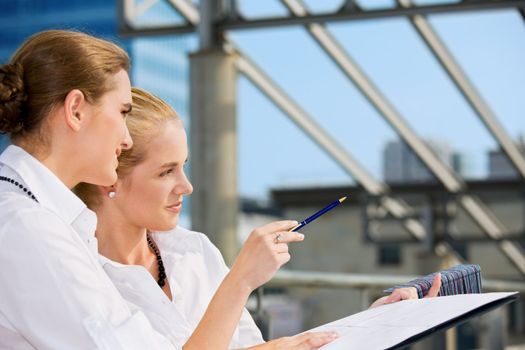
[414, 109]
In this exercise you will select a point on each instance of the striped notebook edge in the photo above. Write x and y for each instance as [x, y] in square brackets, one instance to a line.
[460, 279]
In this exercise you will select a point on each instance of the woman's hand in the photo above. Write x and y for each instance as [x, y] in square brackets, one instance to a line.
[304, 341]
[263, 253]
[409, 293]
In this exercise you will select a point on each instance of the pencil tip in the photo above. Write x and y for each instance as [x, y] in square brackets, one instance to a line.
[341, 200]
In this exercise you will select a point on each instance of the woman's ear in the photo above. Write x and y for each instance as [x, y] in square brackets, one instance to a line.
[75, 109]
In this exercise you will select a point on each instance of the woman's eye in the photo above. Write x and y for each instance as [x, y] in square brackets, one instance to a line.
[167, 172]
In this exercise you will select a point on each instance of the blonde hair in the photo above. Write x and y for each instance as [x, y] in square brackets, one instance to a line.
[148, 116]
[45, 69]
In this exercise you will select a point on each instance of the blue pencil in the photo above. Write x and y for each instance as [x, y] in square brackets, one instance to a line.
[318, 214]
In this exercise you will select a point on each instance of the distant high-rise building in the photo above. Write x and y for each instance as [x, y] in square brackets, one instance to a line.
[500, 166]
[401, 164]
[161, 66]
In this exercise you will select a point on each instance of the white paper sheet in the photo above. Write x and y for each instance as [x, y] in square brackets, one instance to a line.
[389, 325]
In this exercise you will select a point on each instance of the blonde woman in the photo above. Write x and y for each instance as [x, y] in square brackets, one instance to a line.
[176, 276]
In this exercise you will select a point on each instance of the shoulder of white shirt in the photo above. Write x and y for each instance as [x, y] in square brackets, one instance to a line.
[21, 211]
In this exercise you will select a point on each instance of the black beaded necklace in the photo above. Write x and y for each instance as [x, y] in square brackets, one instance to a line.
[19, 185]
[162, 273]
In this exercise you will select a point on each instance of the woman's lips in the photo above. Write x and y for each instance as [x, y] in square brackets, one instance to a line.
[176, 208]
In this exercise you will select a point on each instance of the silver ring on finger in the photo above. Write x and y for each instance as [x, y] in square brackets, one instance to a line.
[277, 238]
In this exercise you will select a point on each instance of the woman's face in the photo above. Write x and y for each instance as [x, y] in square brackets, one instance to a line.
[106, 134]
[151, 195]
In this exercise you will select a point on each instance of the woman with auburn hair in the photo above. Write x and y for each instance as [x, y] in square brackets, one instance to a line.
[64, 97]
[177, 277]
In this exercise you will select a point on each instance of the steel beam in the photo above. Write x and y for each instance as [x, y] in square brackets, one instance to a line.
[462, 82]
[452, 181]
[478, 5]
[128, 11]
[348, 12]
[315, 131]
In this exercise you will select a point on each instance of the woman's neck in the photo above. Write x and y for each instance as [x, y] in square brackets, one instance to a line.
[54, 161]
[122, 241]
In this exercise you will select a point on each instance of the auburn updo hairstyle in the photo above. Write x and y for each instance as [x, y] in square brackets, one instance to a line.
[45, 69]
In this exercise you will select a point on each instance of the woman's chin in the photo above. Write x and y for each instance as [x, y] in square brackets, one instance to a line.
[107, 179]
[167, 225]
[173, 224]
[112, 177]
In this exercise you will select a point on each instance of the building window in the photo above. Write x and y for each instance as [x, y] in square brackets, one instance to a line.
[389, 254]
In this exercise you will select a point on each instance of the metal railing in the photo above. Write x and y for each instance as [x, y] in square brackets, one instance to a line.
[289, 278]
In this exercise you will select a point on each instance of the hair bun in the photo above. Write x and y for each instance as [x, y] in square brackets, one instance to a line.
[12, 98]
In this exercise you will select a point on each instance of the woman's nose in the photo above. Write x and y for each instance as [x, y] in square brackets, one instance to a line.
[127, 143]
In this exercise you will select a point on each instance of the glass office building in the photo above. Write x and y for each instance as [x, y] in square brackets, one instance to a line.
[159, 64]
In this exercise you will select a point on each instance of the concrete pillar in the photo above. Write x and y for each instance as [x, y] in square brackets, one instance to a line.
[213, 152]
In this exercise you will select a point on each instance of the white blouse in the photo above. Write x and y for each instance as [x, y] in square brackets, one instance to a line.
[194, 268]
[53, 292]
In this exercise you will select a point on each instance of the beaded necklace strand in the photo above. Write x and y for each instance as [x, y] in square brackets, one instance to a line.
[19, 185]
[162, 273]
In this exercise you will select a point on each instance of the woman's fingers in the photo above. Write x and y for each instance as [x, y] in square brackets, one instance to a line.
[283, 258]
[394, 297]
[402, 294]
[312, 340]
[264, 252]
[278, 226]
[379, 302]
[436, 286]
[288, 237]
[281, 248]
[409, 293]
[304, 341]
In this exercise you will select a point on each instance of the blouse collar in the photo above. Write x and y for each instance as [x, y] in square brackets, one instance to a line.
[50, 192]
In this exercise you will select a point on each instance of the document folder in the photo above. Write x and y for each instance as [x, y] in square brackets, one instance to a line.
[397, 325]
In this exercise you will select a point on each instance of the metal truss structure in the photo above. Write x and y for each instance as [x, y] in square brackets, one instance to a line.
[214, 18]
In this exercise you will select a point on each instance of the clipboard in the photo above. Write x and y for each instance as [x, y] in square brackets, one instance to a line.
[457, 321]
[397, 325]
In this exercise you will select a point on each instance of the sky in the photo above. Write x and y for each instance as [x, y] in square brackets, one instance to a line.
[273, 152]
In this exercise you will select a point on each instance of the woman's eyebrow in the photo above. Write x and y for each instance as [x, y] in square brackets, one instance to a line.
[172, 164]
[169, 165]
